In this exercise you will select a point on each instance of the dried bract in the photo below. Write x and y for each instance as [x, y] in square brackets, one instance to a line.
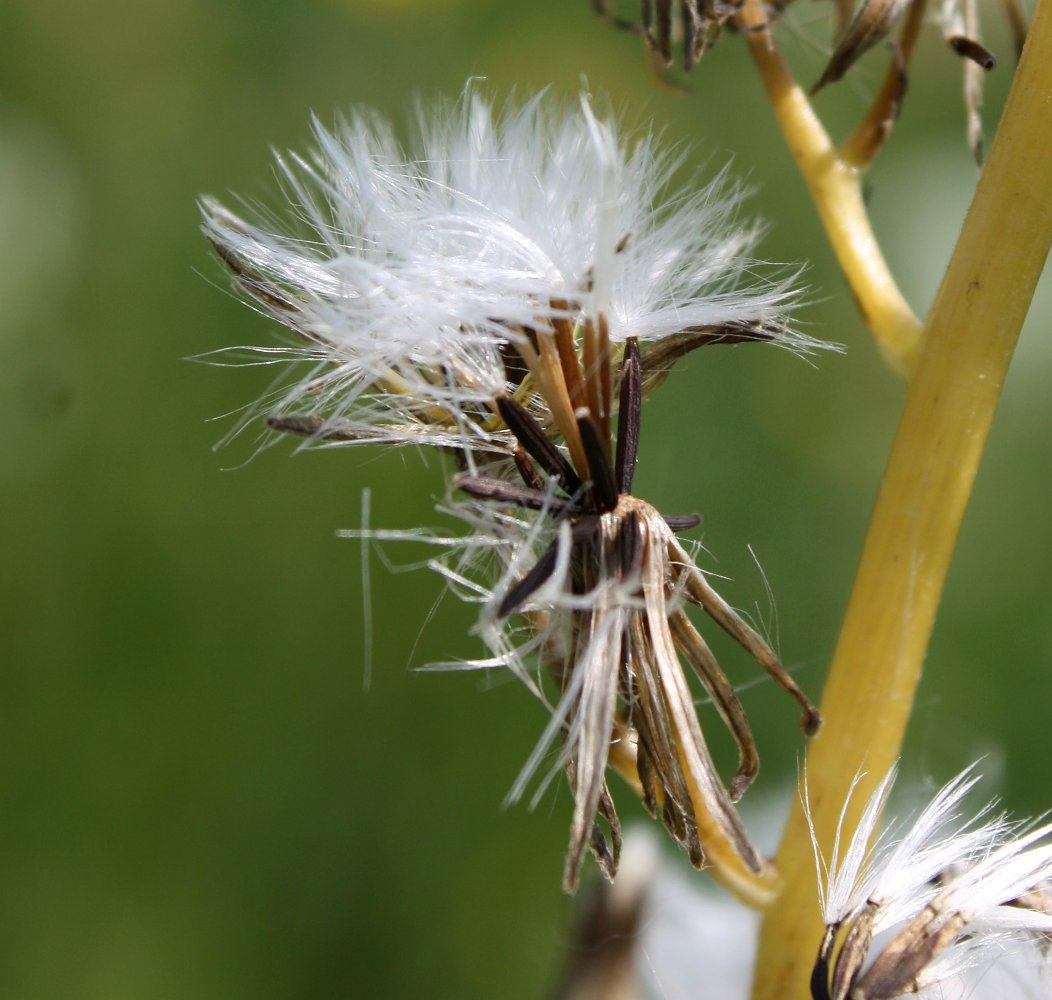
[961, 29]
[508, 291]
[873, 20]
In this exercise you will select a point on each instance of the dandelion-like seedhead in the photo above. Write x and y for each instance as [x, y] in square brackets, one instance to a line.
[918, 907]
[509, 289]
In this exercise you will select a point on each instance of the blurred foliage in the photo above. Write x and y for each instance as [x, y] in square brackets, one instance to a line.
[198, 799]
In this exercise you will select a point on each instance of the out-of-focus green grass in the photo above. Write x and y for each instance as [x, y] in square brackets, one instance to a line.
[197, 798]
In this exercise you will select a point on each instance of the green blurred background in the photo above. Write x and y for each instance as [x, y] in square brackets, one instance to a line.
[197, 797]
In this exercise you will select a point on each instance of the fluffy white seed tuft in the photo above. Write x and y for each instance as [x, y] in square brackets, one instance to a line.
[407, 270]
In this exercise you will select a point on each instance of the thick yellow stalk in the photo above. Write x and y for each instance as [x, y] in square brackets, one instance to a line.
[969, 341]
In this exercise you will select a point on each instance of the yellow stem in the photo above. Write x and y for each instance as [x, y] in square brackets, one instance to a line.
[624, 757]
[723, 863]
[394, 384]
[836, 189]
[969, 341]
[606, 376]
[564, 341]
[590, 363]
[756, 891]
[547, 372]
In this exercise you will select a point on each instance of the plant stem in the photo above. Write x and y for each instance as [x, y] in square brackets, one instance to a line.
[968, 343]
[836, 188]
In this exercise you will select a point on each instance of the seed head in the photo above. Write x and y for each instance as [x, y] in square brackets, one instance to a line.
[940, 896]
[509, 289]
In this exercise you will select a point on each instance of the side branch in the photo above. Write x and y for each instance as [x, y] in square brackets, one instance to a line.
[836, 189]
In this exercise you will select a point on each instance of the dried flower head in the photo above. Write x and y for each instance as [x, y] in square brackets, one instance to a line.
[508, 291]
[939, 897]
[860, 27]
[695, 26]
